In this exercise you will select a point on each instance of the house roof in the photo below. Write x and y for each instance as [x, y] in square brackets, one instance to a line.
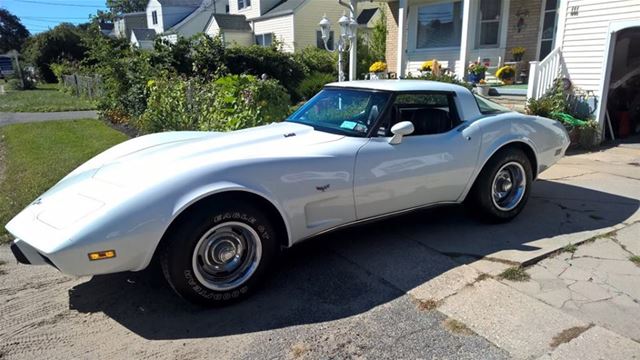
[232, 22]
[186, 3]
[284, 7]
[366, 15]
[144, 34]
[135, 14]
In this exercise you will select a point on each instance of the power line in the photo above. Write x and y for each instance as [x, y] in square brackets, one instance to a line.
[60, 4]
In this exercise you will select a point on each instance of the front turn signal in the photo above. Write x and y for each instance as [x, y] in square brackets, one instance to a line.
[101, 255]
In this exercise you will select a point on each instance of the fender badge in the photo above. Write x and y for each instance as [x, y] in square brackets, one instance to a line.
[37, 202]
[323, 188]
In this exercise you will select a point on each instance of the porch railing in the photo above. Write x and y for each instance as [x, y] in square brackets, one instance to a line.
[543, 73]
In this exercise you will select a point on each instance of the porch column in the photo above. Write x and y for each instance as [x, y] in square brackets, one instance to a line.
[353, 53]
[402, 36]
[465, 41]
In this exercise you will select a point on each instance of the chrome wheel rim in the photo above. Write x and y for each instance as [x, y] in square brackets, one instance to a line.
[509, 186]
[227, 255]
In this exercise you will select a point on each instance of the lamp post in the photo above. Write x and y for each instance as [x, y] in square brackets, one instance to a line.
[346, 40]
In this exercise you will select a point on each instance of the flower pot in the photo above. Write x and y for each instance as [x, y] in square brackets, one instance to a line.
[377, 75]
[475, 78]
[483, 90]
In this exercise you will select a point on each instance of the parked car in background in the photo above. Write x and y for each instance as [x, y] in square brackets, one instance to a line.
[216, 208]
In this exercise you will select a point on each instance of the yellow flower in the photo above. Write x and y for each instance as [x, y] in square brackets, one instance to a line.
[378, 66]
[429, 65]
[519, 50]
[505, 72]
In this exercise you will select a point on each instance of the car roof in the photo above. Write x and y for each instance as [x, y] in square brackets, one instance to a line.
[400, 85]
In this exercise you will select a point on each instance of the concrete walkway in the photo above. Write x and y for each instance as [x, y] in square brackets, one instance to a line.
[7, 118]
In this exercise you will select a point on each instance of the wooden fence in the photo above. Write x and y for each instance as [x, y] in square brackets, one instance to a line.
[83, 85]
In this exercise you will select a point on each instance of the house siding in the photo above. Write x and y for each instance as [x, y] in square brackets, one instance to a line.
[281, 27]
[529, 37]
[309, 14]
[235, 38]
[585, 37]
[251, 12]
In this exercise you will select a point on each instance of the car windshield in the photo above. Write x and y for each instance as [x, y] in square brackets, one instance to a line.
[489, 107]
[343, 111]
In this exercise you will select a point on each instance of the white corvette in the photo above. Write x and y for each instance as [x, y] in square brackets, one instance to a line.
[214, 209]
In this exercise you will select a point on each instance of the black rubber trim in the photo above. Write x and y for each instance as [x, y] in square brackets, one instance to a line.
[18, 254]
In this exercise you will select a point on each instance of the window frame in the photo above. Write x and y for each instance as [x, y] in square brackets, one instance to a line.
[262, 36]
[480, 21]
[417, 25]
[244, 4]
[154, 17]
[386, 115]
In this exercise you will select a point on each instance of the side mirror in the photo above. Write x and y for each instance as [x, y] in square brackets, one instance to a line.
[399, 130]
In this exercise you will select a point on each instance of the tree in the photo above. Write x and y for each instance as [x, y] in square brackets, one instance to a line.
[64, 42]
[378, 39]
[12, 33]
[119, 7]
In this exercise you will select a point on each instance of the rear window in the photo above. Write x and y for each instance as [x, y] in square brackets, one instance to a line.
[489, 107]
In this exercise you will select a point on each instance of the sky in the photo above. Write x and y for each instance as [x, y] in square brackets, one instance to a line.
[40, 15]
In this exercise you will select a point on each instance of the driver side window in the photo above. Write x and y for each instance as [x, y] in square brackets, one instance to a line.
[430, 113]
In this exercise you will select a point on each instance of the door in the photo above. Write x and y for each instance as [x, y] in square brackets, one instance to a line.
[433, 165]
[548, 28]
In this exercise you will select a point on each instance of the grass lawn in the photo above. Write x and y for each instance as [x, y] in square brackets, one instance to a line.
[45, 98]
[35, 156]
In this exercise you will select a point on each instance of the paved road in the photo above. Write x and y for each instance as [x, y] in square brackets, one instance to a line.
[7, 118]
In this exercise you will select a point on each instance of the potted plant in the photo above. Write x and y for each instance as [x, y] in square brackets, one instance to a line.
[431, 66]
[477, 72]
[378, 70]
[518, 53]
[482, 88]
[589, 135]
[506, 74]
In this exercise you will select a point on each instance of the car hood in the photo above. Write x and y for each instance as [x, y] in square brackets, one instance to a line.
[155, 156]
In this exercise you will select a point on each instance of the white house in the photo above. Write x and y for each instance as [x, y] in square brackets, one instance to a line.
[143, 38]
[593, 43]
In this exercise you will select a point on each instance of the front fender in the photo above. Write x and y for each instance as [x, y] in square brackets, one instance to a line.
[194, 195]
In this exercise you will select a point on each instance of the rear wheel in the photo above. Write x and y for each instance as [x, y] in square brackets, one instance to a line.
[219, 255]
[502, 188]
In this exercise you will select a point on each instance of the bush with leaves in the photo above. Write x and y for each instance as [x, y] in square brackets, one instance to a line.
[229, 103]
[316, 60]
[257, 60]
[313, 83]
[64, 42]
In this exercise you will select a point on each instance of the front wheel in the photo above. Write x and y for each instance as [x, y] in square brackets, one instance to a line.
[502, 187]
[220, 254]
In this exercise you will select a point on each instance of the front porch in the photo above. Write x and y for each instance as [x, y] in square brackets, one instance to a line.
[458, 32]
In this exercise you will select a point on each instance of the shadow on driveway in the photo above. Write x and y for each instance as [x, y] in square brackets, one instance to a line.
[352, 271]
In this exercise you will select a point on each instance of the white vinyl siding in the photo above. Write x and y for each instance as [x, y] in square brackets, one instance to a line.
[243, 38]
[282, 29]
[585, 37]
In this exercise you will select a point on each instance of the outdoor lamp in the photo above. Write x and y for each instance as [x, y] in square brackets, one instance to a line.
[348, 28]
[325, 27]
[344, 26]
[353, 28]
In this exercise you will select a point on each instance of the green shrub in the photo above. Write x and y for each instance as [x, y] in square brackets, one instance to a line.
[232, 102]
[16, 84]
[313, 83]
[257, 60]
[542, 107]
[316, 60]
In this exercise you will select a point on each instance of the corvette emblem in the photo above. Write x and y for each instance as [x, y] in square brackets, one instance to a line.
[323, 188]
[37, 202]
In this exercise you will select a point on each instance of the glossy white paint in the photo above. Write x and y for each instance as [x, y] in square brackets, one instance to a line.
[125, 198]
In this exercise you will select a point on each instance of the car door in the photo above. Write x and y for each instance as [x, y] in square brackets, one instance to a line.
[433, 165]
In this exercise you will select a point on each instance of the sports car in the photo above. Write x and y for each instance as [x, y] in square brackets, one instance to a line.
[214, 209]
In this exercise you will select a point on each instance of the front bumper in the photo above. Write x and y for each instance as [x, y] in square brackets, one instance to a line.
[27, 254]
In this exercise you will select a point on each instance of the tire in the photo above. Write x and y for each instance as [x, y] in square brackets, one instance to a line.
[505, 168]
[219, 254]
